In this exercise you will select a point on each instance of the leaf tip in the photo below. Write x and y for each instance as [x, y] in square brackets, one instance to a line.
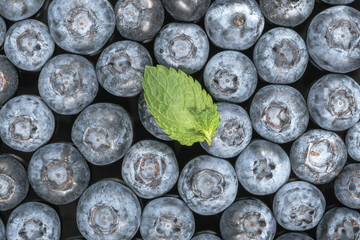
[208, 137]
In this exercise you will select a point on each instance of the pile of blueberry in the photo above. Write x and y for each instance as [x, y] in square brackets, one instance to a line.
[81, 156]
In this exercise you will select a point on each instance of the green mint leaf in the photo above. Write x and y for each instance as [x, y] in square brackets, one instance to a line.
[180, 106]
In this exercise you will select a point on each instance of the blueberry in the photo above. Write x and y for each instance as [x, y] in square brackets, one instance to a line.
[186, 10]
[167, 218]
[108, 210]
[279, 113]
[150, 168]
[334, 102]
[234, 24]
[339, 223]
[263, 167]
[182, 46]
[280, 56]
[9, 80]
[19, 9]
[352, 141]
[318, 156]
[336, 2]
[103, 133]
[139, 20]
[14, 184]
[2, 30]
[81, 27]
[294, 236]
[208, 185]
[67, 83]
[120, 68]
[332, 39]
[233, 134]
[205, 236]
[347, 186]
[33, 220]
[58, 173]
[247, 219]
[298, 206]
[28, 44]
[287, 13]
[2, 230]
[27, 123]
[148, 120]
[230, 76]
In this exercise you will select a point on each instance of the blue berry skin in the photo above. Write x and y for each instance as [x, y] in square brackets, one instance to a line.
[337, 2]
[2, 230]
[28, 44]
[167, 218]
[287, 13]
[81, 27]
[186, 10]
[347, 186]
[318, 156]
[279, 113]
[27, 123]
[230, 76]
[103, 133]
[139, 20]
[33, 220]
[58, 173]
[263, 167]
[9, 80]
[339, 223]
[280, 56]
[234, 24]
[13, 181]
[67, 83]
[332, 39]
[334, 102]
[2, 30]
[19, 9]
[148, 120]
[150, 168]
[294, 236]
[233, 134]
[120, 68]
[247, 219]
[352, 141]
[108, 210]
[208, 185]
[206, 236]
[298, 206]
[182, 46]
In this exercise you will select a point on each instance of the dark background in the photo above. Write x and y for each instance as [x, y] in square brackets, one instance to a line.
[67, 213]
